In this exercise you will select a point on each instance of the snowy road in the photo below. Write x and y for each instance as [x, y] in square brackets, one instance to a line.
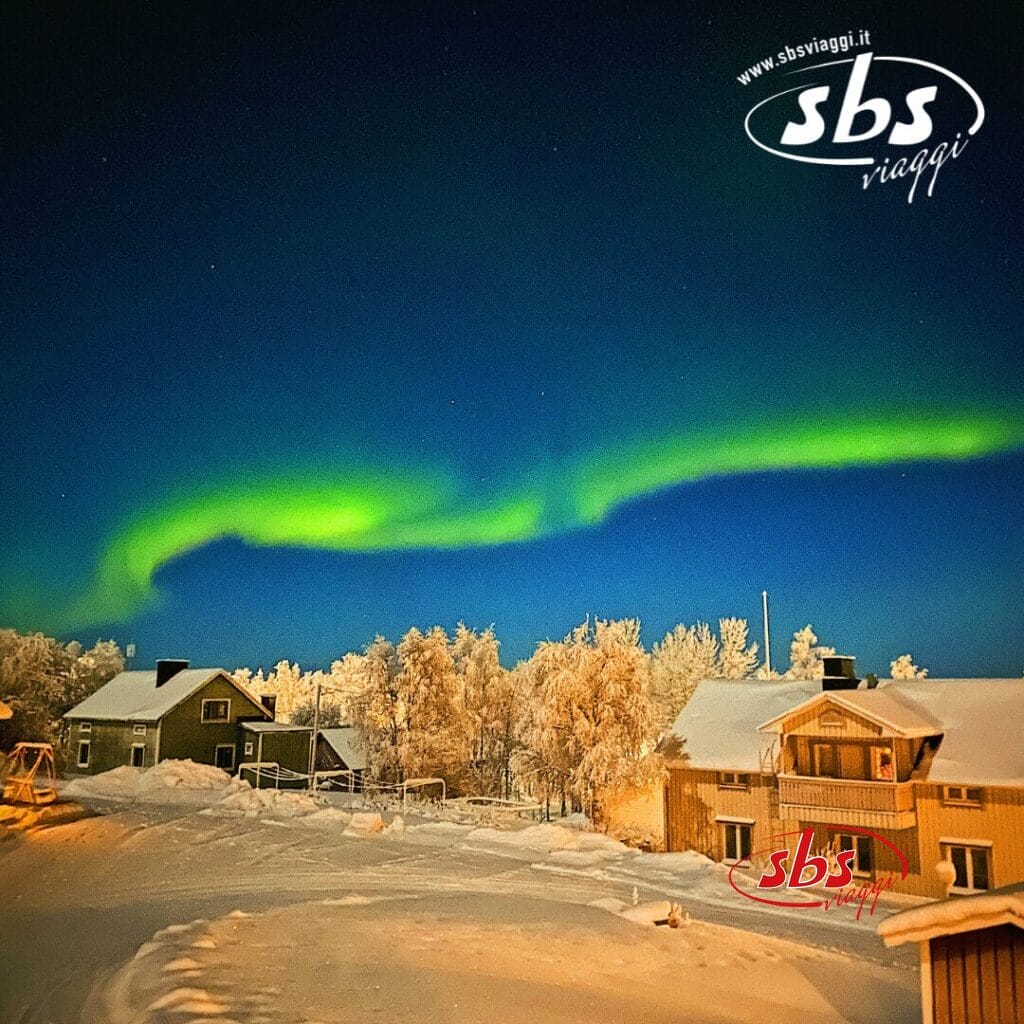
[80, 899]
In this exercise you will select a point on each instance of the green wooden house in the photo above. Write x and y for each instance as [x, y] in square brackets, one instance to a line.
[140, 718]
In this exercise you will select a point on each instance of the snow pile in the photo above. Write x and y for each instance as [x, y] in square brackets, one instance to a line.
[277, 804]
[170, 782]
[365, 823]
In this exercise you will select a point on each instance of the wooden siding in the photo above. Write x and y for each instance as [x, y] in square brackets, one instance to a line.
[850, 726]
[846, 794]
[183, 733]
[110, 746]
[694, 800]
[977, 977]
[999, 821]
[288, 749]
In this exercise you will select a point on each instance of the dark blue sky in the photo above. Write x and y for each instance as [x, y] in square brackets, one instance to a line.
[256, 244]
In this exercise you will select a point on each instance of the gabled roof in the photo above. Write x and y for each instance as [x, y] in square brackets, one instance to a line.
[952, 916]
[344, 741]
[980, 720]
[135, 697]
[718, 726]
[887, 708]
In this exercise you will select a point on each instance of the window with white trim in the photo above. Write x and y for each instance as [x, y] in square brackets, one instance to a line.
[965, 796]
[971, 863]
[216, 710]
[84, 728]
[862, 863]
[84, 748]
[248, 749]
[736, 839]
[733, 780]
[138, 730]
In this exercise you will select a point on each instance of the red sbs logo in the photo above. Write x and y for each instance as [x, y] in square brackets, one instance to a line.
[797, 868]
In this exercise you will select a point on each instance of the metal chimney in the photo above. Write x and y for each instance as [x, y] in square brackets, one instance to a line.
[166, 668]
[839, 673]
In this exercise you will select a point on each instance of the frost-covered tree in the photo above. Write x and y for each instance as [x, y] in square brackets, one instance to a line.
[286, 684]
[489, 708]
[589, 723]
[330, 716]
[687, 655]
[434, 740]
[904, 668]
[805, 655]
[378, 713]
[41, 679]
[737, 659]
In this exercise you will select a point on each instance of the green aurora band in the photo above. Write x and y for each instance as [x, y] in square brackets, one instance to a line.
[361, 512]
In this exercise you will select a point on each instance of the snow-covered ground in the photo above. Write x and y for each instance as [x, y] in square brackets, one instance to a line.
[355, 914]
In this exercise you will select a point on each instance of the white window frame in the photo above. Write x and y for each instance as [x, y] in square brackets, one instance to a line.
[138, 730]
[734, 780]
[985, 848]
[738, 824]
[249, 748]
[855, 838]
[215, 721]
[87, 744]
[85, 728]
[962, 800]
[225, 746]
[142, 760]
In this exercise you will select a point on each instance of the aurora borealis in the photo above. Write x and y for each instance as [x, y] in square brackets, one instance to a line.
[325, 326]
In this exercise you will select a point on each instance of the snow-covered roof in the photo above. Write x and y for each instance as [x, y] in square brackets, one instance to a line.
[344, 741]
[135, 697]
[959, 914]
[718, 726]
[274, 727]
[980, 721]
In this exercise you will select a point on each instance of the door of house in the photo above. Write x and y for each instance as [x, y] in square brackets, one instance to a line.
[825, 760]
[224, 756]
[138, 755]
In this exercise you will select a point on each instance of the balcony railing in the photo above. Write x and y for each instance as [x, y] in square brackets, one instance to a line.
[846, 794]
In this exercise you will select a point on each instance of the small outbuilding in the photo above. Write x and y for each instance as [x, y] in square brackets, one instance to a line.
[972, 956]
[339, 749]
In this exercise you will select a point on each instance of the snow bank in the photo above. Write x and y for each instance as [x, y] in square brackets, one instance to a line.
[557, 840]
[170, 782]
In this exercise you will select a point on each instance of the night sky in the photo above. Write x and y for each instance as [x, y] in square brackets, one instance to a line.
[324, 320]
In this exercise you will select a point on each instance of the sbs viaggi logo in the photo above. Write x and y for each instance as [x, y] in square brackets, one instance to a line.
[901, 119]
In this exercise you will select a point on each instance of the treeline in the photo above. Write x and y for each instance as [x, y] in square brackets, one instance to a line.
[579, 718]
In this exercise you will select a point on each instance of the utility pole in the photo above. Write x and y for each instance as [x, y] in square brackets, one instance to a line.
[313, 739]
[767, 637]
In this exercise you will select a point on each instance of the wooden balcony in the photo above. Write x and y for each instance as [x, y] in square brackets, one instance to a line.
[847, 802]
